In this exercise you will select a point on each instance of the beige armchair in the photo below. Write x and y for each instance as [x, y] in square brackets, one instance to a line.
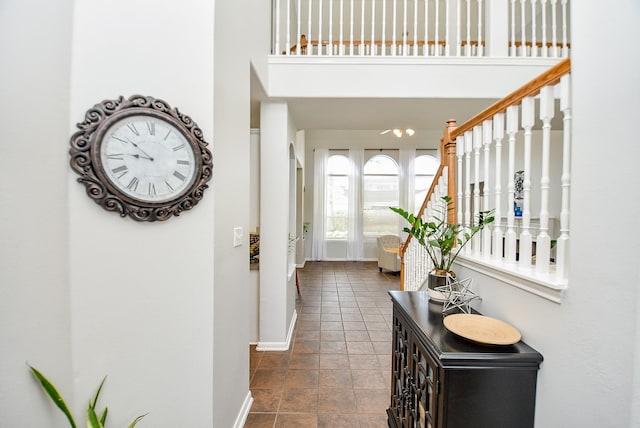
[388, 257]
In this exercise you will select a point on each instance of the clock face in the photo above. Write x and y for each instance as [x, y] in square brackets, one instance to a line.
[147, 158]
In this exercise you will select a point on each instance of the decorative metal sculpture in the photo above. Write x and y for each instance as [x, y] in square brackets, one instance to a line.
[458, 294]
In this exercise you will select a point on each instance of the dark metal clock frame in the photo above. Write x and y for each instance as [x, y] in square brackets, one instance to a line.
[86, 161]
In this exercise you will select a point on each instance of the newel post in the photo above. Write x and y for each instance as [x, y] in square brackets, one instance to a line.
[448, 153]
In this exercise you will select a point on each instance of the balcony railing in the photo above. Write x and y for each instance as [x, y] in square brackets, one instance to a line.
[526, 183]
[422, 28]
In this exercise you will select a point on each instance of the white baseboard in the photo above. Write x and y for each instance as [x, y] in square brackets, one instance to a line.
[244, 411]
[280, 346]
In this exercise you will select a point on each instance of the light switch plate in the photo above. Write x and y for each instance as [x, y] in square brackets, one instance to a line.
[238, 236]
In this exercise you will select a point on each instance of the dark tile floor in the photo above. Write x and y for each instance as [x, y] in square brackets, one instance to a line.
[337, 372]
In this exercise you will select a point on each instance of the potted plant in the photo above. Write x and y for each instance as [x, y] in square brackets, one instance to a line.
[443, 241]
[94, 418]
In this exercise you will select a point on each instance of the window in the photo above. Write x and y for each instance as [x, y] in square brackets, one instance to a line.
[337, 191]
[425, 167]
[380, 191]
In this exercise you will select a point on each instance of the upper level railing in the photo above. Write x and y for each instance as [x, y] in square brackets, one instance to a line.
[422, 28]
[529, 239]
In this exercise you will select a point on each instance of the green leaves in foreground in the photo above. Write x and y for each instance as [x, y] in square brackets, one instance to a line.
[93, 420]
[53, 393]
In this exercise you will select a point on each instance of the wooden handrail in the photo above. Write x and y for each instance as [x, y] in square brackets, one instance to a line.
[434, 183]
[315, 43]
[518, 43]
[550, 77]
[447, 150]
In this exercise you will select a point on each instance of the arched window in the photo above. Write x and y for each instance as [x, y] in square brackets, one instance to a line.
[380, 191]
[425, 167]
[337, 191]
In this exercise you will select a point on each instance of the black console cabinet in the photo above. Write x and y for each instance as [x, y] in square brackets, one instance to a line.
[440, 380]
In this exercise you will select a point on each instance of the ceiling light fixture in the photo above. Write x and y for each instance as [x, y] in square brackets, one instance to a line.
[399, 132]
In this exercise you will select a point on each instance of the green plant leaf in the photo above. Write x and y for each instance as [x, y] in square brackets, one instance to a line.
[136, 420]
[92, 418]
[55, 396]
[95, 398]
[103, 417]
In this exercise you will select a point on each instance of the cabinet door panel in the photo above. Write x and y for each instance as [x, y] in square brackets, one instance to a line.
[400, 388]
[424, 375]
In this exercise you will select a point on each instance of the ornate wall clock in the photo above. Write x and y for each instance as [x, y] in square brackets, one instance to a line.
[141, 158]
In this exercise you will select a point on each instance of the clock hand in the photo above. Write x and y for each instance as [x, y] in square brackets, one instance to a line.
[137, 156]
[138, 147]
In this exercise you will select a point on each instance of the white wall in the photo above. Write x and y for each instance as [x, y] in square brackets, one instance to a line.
[276, 307]
[35, 45]
[590, 374]
[253, 301]
[142, 295]
[240, 43]
[85, 293]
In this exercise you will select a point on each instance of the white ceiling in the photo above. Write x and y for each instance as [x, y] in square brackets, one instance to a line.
[381, 114]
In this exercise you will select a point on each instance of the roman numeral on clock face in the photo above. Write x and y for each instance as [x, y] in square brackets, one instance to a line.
[132, 128]
[178, 175]
[151, 127]
[133, 184]
[120, 171]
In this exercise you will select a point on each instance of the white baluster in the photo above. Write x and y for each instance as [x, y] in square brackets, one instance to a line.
[287, 45]
[404, 29]
[534, 44]
[458, 27]
[565, 40]
[276, 47]
[477, 145]
[309, 46]
[373, 49]
[415, 27]
[480, 48]
[545, 49]
[436, 45]
[330, 45]
[351, 30]
[510, 235]
[320, 28]
[526, 239]
[393, 35]
[298, 32]
[562, 246]
[362, 44]
[512, 50]
[554, 29]
[383, 46]
[467, 48]
[425, 49]
[487, 126]
[468, 148]
[341, 48]
[523, 36]
[498, 135]
[459, 156]
[543, 240]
